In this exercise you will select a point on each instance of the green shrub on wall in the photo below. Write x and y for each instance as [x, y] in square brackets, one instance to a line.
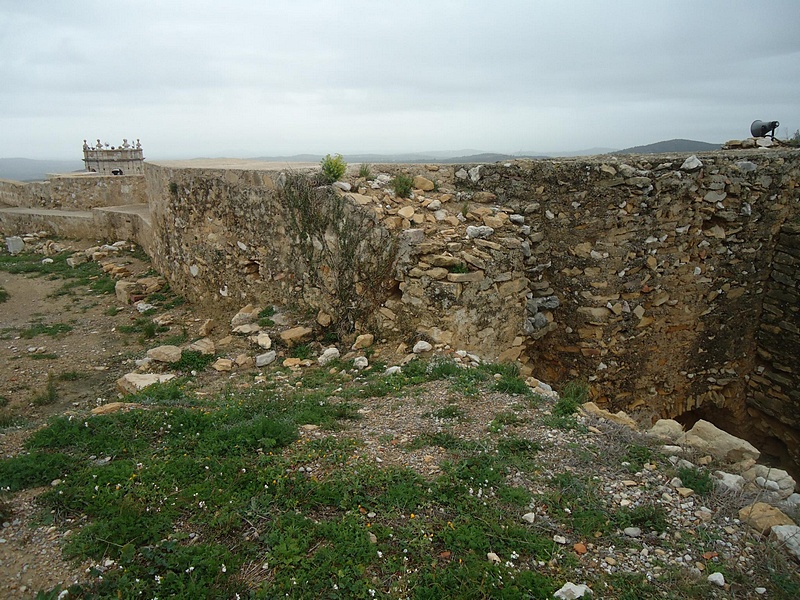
[333, 168]
[342, 254]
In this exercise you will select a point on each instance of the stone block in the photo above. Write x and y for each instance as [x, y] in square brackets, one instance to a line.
[14, 244]
[296, 335]
[762, 517]
[706, 437]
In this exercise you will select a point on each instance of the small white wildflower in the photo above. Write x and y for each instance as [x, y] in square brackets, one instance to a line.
[224, 568]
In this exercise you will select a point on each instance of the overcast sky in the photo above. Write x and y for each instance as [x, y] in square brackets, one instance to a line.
[279, 77]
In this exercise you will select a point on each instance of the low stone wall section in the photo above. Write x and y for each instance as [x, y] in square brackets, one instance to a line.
[74, 192]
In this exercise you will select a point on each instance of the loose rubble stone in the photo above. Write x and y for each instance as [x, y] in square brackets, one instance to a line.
[125, 291]
[263, 340]
[113, 407]
[666, 429]
[571, 591]
[691, 164]
[14, 244]
[778, 484]
[480, 232]
[165, 354]
[762, 517]
[590, 408]
[203, 346]
[423, 183]
[422, 346]
[296, 335]
[364, 340]
[132, 383]
[360, 362]
[788, 537]
[222, 364]
[262, 360]
[706, 437]
[717, 579]
[329, 355]
[246, 315]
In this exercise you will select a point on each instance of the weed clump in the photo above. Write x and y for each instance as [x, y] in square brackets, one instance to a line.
[333, 168]
[192, 360]
[49, 395]
[365, 171]
[402, 185]
[699, 481]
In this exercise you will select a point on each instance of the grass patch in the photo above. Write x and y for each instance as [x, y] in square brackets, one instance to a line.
[43, 356]
[403, 185]
[42, 329]
[563, 414]
[145, 327]
[696, 479]
[648, 517]
[35, 469]
[365, 171]
[47, 396]
[72, 376]
[191, 360]
[451, 411]
[3, 295]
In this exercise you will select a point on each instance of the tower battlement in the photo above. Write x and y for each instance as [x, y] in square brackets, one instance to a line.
[126, 159]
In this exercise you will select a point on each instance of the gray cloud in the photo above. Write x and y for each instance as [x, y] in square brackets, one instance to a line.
[211, 78]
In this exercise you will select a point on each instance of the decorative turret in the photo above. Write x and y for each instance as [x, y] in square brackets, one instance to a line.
[126, 159]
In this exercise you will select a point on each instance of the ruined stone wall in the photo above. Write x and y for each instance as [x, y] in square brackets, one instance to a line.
[219, 235]
[74, 192]
[667, 277]
[666, 283]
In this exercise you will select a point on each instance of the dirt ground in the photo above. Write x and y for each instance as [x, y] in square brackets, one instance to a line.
[83, 364]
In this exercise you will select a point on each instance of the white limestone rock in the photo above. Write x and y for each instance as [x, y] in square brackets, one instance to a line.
[788, 537]
[691, 164]
[132, 383]
[329, 355]
[262, 360]
[14, 244]
[572, 591]
[422, 346]
[710, 439]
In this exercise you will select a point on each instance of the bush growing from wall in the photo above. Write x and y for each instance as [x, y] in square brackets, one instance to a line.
[346, 260]
[333, 168]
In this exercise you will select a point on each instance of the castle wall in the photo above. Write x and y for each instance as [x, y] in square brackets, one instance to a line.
[659, 283]
[670, 285]
[74, 192]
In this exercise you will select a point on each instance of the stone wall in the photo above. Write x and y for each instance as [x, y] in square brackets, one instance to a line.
[74, 192]
[667, 275]
[668, 282]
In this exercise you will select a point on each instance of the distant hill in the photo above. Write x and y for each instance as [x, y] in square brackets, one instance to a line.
[27, 169]
[670, 146]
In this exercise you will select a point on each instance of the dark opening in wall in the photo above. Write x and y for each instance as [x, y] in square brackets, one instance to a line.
[773, 450]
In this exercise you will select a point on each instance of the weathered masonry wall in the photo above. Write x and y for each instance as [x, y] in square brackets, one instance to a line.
[669, 283]
[670, 287]
[74, 192]
[677, 286]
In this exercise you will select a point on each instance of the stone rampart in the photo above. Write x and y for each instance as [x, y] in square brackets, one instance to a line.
[74, 192]
[668, 282]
